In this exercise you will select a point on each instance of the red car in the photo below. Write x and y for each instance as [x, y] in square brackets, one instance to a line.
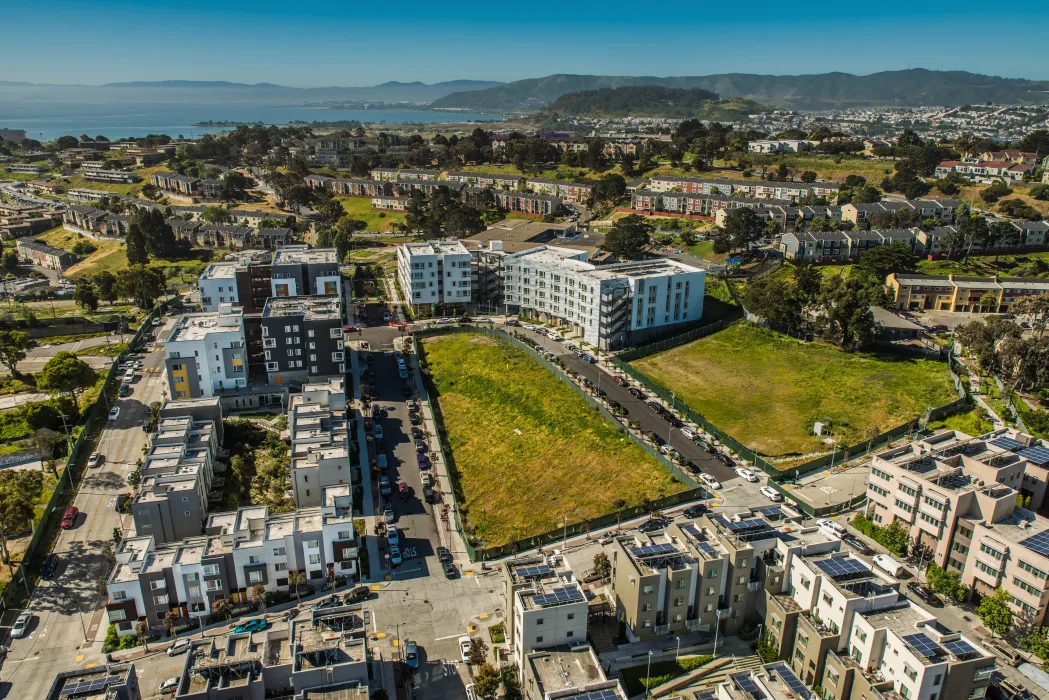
[69, 519]
[403, 490]
[620, 381]
[350, 329]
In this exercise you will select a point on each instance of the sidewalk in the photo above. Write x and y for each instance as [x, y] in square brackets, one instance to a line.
[375, 562]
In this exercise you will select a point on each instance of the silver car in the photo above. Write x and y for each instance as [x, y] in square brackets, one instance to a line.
[21, 626]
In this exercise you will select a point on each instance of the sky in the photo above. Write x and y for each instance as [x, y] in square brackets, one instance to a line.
[366, 43]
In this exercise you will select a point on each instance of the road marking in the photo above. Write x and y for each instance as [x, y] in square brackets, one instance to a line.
[396, 642]
[380, 635]
[91, 665]
[78, 659]
[450, 636]
[377, 587]
[482, 616]
[468, 573]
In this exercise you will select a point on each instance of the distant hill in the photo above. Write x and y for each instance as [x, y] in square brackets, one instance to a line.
[917, 87]
[651, 101]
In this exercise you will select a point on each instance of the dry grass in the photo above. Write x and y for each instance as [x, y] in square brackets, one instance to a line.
[529, 450]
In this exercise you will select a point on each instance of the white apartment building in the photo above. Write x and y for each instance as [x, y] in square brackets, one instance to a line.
[205, 353]
[548, 607]
[320, 455]
[218, 285]
[435, 273]
[610, 306]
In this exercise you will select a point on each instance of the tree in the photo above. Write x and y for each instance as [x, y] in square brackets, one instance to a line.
[775, 300]
[878, 262]
[105, 286]
[136, 245]
[171, 618]
[808, 176]
[142, 284]
[14, 346]
[217, 215]
[143, 633]
[478, 651]
[807, 281]
[222, 608]
[843, 313]
[629, 237]
[511, 682]
[742, 227]
[895, 537]
[64, 142]
[609, 189]
[19, 491]
[43, 444]
[1037, 307]
[294, 579]
[767, 650]
[65, 373]
[331, 210]
[486, 681]
[10, 262]
[258, 595]
[944, 581]
[995, 613]
[602, 567]
[996, 191]
[85, 296]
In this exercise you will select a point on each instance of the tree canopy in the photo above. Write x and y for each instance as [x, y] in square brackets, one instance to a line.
[65, 373]
[629, 237]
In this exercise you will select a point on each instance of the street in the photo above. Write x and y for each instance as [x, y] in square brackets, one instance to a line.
[70, 623]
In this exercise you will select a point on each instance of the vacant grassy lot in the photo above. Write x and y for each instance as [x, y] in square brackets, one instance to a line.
[529, 450]
[360, 208]
[108, 256]
[766, 389]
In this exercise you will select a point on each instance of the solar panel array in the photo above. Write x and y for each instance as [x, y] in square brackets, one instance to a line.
[842, 568]
[745, 683]
[924, 646]
[603, 694]
[745, 525]
[792, 681]
[706, 548]
[1036, 455]
[1007, 443]
[556, 596]
[770, 512]
[652, 550]
[704, 695]
[92, 686]
[960, 648]
[533, 571]
[1037, 543]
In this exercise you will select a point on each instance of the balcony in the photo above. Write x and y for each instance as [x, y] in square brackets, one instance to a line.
[661, 629]
[754, 585]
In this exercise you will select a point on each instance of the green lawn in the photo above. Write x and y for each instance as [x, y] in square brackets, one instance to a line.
[972, 422]
[529, 450]
[1026, 265]
[766, 389]
[378, 220]
[638, 678]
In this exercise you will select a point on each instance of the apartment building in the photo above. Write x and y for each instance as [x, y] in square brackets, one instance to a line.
[435, 273]
[222, 283]
[567, 672]
[299, 270]
[240, 550]
[176, 479]
[956, 293]
[37, 253]
[87, 195]
[173, 182]
[568, 191]
[320, 445]
[390, 202]
[206, 353]
[984, 171]
[610, 306]
[106, 682]
[1027, 234]
[762, 189]
[184, 230]
[302, 338]
[26, 169]
[945, 210]
[524, 202]
[485, 180]
[111, 176]
[360, 188]
[698, 203]
[395, 174]
[224, 236]
[83, 216]
[781, 146]
[547, 607]
[841, 246]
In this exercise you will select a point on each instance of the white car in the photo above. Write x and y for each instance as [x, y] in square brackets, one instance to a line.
[169, 686]
[710, 481]
[746, 474]
[114, 414]
[689, 433]
[179, 646]
[21, 626]
[464, 647]
[529, 327]
[830, 528]
[771, 493]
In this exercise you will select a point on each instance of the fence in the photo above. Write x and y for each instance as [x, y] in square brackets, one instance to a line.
[24, 578]
[573, 529]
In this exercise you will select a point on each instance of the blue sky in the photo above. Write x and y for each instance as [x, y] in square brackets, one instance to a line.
[365, 43]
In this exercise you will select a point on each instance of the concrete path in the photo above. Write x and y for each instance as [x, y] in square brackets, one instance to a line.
[13, 400]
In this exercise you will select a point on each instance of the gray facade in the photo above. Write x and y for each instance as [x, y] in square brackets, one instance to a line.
[302, 339]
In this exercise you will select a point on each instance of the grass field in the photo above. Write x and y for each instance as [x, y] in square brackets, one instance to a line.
[361, 208]
[108, 256]
[972, 422]
[529, 450]
[766, 389]
[985, 265]
[78, 182]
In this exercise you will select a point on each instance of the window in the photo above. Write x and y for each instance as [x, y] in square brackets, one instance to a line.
[713, 573]
[571, 616]
[805, 582]
[648, 589]
[880, 474]
[254, 577]
[194, 591]
[993, 552]
[119, 595]
[646, 607]
[908, 490]
[280, 566]
[539, 639]
[965, 532]
[710, 590]
[1032, 570]
[279, 551]
[682, 583]
[211, 569]
[315, 559]
[213, 585]
[117, 616]
[903, 506]
[158, 584]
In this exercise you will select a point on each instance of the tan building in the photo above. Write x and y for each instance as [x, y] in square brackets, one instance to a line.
[567, 672]
[954, 293]
[547, 607]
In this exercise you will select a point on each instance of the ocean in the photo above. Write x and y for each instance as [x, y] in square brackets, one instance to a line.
[46, 121]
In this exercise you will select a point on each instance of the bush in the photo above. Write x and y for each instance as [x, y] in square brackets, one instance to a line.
[129, 642]
[112, 642]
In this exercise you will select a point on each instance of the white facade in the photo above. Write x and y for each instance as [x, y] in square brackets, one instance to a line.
[320, 455]
[540, 625]
[218, 285]
[205, 337]
[435, 273]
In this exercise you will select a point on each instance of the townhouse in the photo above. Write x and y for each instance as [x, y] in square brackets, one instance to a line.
[610, 306]
[986, 171]
[255, 217]
[361, 188]
[224, 236]
[26, 169]
[395, 174]
[298, 270]
[915, 292]
[241, 549]
[37, 253]
[571, 671]
[119, 177]
[547, 607]
[697, 204]
[302, 338]
[781, 146]
[173, 182]
[390, 202]
[957, 496]
[87, 195]
[273, 238]
[524, 202]
[183, 230]
[435, 273]
[1010, 154]
[44, 187]
[405, 188]
[485, 180]
[568, 191]
[841, 246]
[761, 189]
[320, 456]
[945, 210]
[206, 353]
[318, 182]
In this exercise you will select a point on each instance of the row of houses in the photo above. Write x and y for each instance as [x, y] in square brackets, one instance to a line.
[987, 171]
[456, 181]
[759, 189]
[38, 253]
[187, 185]
[918, 292]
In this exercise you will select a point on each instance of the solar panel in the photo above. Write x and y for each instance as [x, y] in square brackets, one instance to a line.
[567, 594]
[704, 695]
[960, 648]
[745, 683]
[770, 512]
[706, 548]
[1037, 543]
[604, 694]
[743, 525]
[532, 571]
[651, 550]
[1007, 443]
[1036, 455]
[839, 568]
[923, 645]
[792, 681]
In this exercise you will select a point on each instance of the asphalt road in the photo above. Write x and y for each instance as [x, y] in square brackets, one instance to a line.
[69, 608]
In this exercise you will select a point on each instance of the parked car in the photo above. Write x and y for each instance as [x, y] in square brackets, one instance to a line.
[655, 406]
[653, 524]
[689, 433]
[704, 444]
[388, 515]
[257, 625]
[377, 431]
[587, 358]
[657, 440]
[179, 646]
[393, 537]
[443, 555]
[50, 567]
[69, 519]
[411, 654]
[420, 446]
[449, 569]
[672, 419]
[395, 555]
[710, 481]
[511, 322]
[95, 460]
[924, 593]
[637, 393]
[169, 686]
[124, 390]
[1010, 656]
[695, 511]
[621, 381]
[725, 459]
[357, 595]
[692, 467]
[465, 645]
[21, 626]
[115, 413]
[746, 474]
[770, 493]
[384, 486]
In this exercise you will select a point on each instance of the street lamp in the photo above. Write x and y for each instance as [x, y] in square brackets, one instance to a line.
[648, 675]
[717, 628]
[677, 652]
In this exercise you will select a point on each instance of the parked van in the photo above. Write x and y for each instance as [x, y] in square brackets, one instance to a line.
[888, 564]
[831, 528]
[129, 376]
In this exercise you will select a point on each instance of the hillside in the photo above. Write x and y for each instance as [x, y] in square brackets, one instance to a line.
[908, 87]
[651, 101]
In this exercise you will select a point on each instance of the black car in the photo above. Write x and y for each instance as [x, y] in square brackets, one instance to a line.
[443, 555]
[47, 572]
[692, 467]
[658, 440]
[418, 434]
[600, 392]
[725, 459]
[415, 418]
[922, 592]
[420, 446]
[637, 393]
[449, 570]
[406, 390]
[655, 406]
[618, 408]
[357, 595]
[672, 419]
[695, 511]
[652, 525]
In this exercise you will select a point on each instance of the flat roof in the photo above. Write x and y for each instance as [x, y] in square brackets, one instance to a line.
[198, 326]
[221, 270]
[297, 255]
[310, 307]
[565, 668]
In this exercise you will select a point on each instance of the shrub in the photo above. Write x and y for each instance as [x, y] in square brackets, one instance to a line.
[112, 641]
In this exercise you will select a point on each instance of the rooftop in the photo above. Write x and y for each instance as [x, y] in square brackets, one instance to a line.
[312, 308]
[298, 255]
[437, 248]
[221, 270]
[193, 327]
[565, 668]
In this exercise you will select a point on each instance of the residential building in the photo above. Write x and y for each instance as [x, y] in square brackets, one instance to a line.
[568, 191]
[610, 306]
[547, 607]
[955, 293]
[173, 182]
[26, 169]
[224, 236]
[206, 353]
[986, 171]
[761, 189]
[524, 202]
[390, 202]
[87, 195]
[567, 672]
[273, 238]
[361, 188]
[841, 246]
[110, 176]
[255, 217]
[698, 203]
[781, 146]
[320, 456]
[221, 283]
[485, 180]
[394, 174]
[37, 253]
[302, 338]
[107, 682]
[319, 182]
[945, 210]
[435, 273]
[12, 136]
[298, 270]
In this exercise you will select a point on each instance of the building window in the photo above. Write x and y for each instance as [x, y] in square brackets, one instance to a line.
[254, 577]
